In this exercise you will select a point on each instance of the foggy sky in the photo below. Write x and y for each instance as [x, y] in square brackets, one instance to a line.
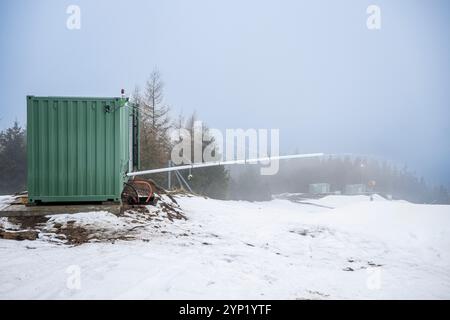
[310, 68]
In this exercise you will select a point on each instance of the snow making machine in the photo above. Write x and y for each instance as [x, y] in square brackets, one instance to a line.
[87, 149]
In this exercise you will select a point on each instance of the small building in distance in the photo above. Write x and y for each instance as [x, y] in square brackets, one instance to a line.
[355, 188]
[319, 188]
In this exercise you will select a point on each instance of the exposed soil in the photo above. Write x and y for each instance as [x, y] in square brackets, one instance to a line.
[28, 222]
[130, 222]
[19, 235]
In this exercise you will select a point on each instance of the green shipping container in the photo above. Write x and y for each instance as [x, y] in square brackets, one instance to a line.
[78, 148]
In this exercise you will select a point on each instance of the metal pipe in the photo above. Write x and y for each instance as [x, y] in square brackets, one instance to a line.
[136, 200]
[184, 180]
[150, 192]
[169, 176]
[130, 139]
[179, 180]
[224, 163]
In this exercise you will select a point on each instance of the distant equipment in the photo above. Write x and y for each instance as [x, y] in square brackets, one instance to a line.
[319, 188]
[352, 189]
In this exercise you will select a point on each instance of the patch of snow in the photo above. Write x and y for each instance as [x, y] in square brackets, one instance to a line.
[5, 201]
[344, 200]
[7, 225]
[98, 219]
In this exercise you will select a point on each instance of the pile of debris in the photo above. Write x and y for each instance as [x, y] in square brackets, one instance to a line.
[100, 226]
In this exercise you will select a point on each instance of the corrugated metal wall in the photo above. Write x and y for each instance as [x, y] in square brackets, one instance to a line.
[77, 150]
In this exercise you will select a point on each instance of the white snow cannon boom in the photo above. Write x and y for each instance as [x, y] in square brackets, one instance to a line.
[140, 191]
[223, 163]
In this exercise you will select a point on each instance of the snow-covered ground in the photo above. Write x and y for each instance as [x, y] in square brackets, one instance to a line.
[5, 201]
[234, 249]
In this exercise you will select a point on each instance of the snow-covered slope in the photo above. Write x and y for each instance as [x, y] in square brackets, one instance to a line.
[234, 249]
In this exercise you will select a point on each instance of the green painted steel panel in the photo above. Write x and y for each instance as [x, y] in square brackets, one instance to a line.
[77, 148]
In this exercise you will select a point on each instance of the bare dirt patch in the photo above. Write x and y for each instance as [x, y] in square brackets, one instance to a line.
[79, 228]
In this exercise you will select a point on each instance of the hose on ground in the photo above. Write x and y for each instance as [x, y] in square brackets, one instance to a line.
[136, 200]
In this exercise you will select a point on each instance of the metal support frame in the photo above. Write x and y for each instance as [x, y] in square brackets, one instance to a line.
[184, 180]
[169, 176]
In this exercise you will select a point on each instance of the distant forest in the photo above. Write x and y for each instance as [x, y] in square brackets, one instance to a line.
[13, 159]
[246, 183]
[295, 175]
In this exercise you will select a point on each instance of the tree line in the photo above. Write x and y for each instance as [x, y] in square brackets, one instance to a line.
[156, 143]
[13, 159]
[244, 182]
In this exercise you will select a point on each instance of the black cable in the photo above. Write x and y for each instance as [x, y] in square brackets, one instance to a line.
[134, 189]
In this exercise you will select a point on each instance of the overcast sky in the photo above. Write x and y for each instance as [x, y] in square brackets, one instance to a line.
[310, 68]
